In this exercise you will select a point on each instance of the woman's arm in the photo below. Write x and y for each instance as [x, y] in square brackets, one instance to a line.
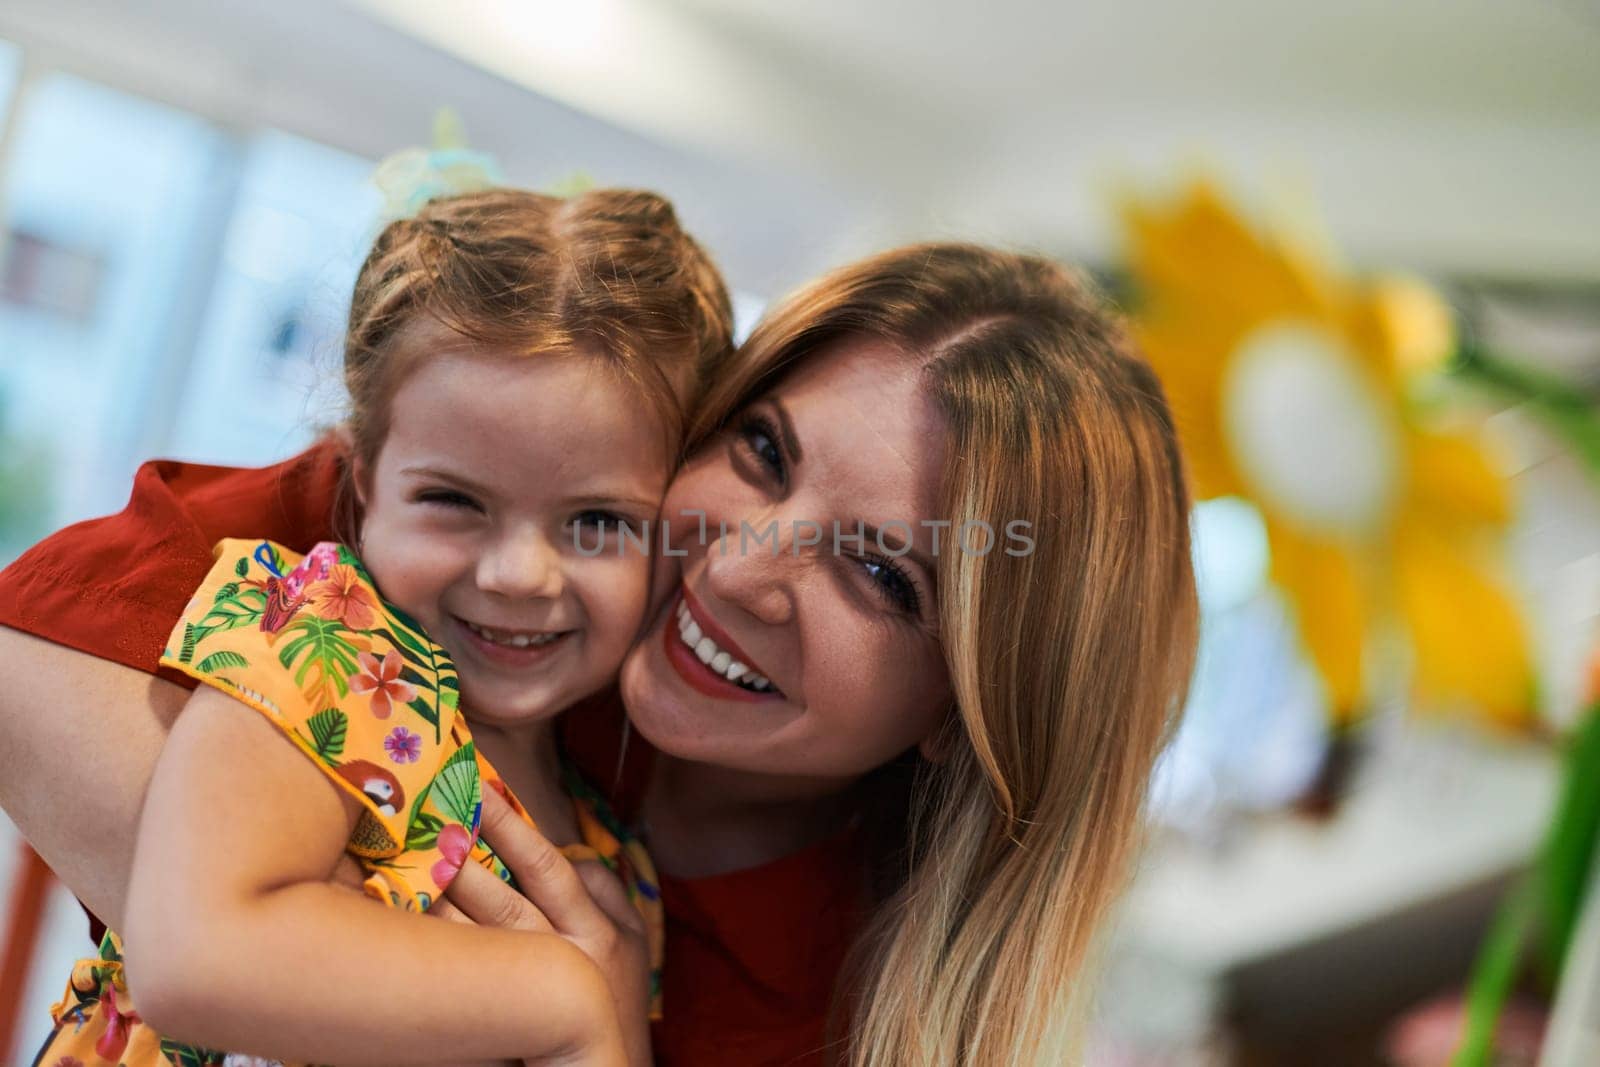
[234, 939]
[80, 738]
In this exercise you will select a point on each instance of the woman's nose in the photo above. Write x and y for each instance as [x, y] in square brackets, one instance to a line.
[753, 573]
[524, 565]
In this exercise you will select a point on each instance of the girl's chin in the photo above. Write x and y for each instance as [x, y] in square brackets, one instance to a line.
[490, 705]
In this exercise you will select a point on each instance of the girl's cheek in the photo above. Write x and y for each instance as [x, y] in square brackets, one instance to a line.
[618, 589]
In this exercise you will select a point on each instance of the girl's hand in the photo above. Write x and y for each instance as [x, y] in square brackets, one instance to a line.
[585, 904]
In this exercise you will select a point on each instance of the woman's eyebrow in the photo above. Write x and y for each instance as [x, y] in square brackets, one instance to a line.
[791, 443]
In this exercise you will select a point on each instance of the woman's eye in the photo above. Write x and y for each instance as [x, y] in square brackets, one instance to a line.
[761, 438]
[448, 498]
[891, 579]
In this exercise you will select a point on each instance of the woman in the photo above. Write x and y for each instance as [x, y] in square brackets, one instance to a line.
[959, 730]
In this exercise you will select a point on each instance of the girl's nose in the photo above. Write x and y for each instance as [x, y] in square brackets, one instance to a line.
[522, 566]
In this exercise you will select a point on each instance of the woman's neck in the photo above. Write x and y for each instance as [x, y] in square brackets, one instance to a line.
[702, 820]
[527, 758]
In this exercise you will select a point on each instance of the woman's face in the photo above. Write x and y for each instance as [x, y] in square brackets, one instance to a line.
[838, 641]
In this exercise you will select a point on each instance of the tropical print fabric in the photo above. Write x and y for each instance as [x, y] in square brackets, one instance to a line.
[359, 687]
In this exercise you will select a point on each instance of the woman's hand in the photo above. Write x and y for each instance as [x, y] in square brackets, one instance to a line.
[584, 903]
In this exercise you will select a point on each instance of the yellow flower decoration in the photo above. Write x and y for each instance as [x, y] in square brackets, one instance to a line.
[1287, 383]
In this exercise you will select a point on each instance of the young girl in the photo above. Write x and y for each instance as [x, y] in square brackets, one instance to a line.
[519, 369]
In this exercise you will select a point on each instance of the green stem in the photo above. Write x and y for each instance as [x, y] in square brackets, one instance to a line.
[1494, 973]
[1564, 408]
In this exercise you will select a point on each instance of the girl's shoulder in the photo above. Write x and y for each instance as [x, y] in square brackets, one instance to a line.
[352, 680]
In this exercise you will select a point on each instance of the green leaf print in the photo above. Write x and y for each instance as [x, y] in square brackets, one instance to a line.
[408, 642]
[328, 729]
[191, 634]
[243, 607]
[190, 1055]
[218, 660]
[319, 648]
[457, 788]
[426, 711]
[424, 831]
[416, 804]
[242, 568]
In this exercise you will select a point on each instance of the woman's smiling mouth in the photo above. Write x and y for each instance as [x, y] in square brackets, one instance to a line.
[714, 665]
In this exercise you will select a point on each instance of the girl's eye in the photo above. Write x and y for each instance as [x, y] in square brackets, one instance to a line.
[600, 519]
[760, 438]
[893, 582]
[448, 498]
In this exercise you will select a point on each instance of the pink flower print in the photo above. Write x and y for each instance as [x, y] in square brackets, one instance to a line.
[316, 566]
[68, 1061]
[295, 581]
[382, 680]
[455, 844]
[118, 1024]
[402, 745]
[322, 558]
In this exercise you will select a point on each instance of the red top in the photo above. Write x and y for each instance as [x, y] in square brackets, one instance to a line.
[751, 956]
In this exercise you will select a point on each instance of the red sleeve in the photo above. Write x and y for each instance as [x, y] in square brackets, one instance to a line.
[113, 586]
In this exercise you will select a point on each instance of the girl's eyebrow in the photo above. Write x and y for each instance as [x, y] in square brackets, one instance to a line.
[591, 500]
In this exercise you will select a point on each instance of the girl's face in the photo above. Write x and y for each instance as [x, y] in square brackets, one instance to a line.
[846, 637]
[495, 471]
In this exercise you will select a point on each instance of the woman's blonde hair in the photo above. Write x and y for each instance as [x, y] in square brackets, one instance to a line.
[524, 272]
[1068, 663]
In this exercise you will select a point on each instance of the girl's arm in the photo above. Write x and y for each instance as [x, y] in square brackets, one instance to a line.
[234, 939]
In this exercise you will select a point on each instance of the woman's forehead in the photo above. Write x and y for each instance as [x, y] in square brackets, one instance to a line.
[870, 435]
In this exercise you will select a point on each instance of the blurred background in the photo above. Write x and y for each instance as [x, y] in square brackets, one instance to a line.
[185, 197]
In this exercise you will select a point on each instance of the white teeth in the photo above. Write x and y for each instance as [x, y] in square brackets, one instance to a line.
[495, 637]
[707, 652]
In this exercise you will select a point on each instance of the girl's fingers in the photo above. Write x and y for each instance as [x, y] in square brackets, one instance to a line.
[543, 873]
[484, 899]
[444, 909]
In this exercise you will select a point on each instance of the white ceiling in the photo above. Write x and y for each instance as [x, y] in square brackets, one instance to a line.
[1457, 136]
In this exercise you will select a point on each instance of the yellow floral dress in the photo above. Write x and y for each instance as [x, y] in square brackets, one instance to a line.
[357, 685]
